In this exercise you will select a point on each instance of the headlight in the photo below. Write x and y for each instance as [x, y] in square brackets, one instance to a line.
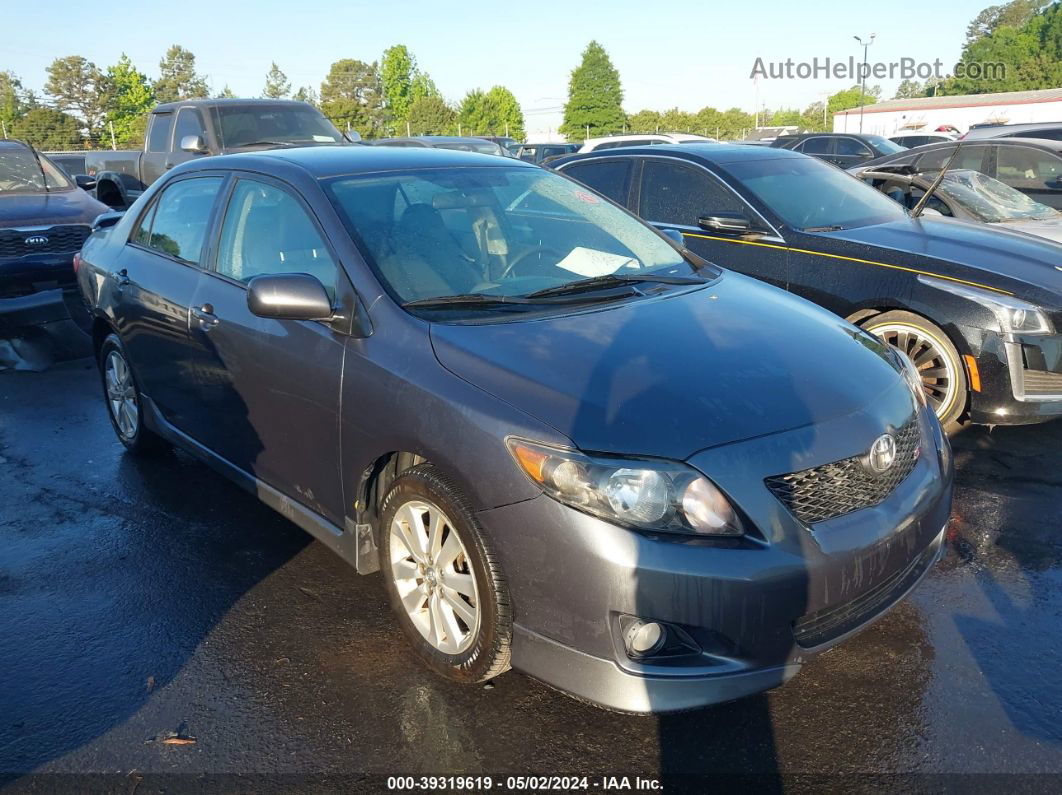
[911, 376]
[1014, 315]
[651, 495]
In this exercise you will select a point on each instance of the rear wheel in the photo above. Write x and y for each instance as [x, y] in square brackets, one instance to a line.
[936, 359]
[446, 585]
[124, 403]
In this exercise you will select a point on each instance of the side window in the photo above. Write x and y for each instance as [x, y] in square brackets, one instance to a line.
[142, 235]
[159, 135]
[673, 193]
[1028, 167]
[969, 157]
[189, 122]
[181, 218]
[819, 145]
[611, 178]
[266, 230]
[850, 146]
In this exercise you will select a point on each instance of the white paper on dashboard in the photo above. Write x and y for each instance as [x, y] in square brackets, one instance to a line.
[590, 262]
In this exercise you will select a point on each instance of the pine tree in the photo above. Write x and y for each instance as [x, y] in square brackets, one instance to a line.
[277, 85]
[79, 87]
[178, 78]
[350, 95]
[595, 97]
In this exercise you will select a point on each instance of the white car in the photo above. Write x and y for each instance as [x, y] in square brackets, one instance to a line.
[913, 138]
[647, 139]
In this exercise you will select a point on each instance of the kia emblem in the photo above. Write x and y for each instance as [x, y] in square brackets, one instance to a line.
[36, 240]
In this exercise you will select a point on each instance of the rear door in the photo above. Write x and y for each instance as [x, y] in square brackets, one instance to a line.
[154, 283]
[675, 194]
[1035, 172]
[268, 390]
[848, 152]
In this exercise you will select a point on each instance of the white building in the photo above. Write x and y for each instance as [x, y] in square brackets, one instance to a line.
[930, 113]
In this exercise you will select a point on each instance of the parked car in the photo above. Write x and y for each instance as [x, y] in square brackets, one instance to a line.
[970, 196]
[72, 163]
[841, 149]
[460, 143]
[642, 139]
[504, 141]
[573, 448]
[44, 219]
[1030, 165]
[978, 309]
[1050, 131]
[909, 140]
[180, 131]
[538, 153]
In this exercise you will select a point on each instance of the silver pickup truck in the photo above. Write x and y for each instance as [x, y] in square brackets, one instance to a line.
[180, 131]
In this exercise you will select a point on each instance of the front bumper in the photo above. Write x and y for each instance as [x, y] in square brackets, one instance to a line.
[1021, 377]
[744, 603]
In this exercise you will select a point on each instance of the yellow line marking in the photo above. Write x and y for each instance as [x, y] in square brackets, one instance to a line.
[850, 259]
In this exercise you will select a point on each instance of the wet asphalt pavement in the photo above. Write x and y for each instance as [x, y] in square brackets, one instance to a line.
[143, 599]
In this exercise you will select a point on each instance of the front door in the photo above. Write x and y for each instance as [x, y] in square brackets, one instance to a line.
[1035, 172]
[269, 389]
[157, 150]
[676, 195]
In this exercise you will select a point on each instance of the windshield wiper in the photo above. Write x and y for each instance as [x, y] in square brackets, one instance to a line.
[831, 228]
[504, 301]
[268, 143]
[610, 280]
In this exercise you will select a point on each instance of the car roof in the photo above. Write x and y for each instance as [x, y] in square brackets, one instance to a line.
[167, 107]
[437, 139]
[710, 153]
[328, 161]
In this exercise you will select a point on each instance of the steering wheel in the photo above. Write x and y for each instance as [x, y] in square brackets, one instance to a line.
[516, 259]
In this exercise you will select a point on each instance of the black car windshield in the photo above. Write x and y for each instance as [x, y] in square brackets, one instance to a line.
[243, 125]
[20, 173]
[495, 232]
[991, 200]
[883, 145]
[811, 195]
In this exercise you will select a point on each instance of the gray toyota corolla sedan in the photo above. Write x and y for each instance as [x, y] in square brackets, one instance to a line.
[569, 446]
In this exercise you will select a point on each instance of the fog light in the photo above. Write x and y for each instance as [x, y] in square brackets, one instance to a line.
[644, 638]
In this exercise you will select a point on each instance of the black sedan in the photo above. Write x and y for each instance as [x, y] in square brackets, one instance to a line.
[841, 149]
[978, 310]
[1031, 165]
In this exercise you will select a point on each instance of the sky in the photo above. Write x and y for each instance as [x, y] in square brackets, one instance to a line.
[687, 55]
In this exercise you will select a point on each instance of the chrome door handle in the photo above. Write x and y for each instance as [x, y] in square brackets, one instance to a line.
[205, 315]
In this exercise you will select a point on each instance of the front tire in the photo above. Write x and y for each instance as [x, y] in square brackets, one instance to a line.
[124, 401]
[935, 357]
[445, 583]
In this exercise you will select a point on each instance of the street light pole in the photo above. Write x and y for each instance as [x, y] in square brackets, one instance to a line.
[863, 76]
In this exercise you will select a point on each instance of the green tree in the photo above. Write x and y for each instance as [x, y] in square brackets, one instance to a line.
[178, 78]
[675, 120]
[47, 128]
[909, 89]
[277, 85]
[644, 121]
[429, 116]
[398, 67]
[595, 97]
[851, 98]
[131, 100]
[351, 96]
[306, 94]
[1013, 14]
[815, 119]
[77, 86]
[225, 93]
[422, 86]
[495, 112]
[11, 101]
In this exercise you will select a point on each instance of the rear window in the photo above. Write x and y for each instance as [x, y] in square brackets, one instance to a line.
[608, 177]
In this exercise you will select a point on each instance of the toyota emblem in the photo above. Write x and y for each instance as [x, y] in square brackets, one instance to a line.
[882, 454]
[36, 240]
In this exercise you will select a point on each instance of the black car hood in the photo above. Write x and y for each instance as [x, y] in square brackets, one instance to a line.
[48, 209]
[673, 375]
[962, 248]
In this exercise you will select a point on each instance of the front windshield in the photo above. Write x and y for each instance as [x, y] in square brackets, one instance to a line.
[494, 231]
[884, 145]
[991, 200]
[243, 125]
[814, 196]
[20, 172]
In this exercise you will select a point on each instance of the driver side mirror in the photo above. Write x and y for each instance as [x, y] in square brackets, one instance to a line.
[194, 144]
[288, 296]
[727, 223]
[84, 181]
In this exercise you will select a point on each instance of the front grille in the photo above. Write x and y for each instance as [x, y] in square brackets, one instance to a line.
[59, 239]
[822, 626]
[1040, 382]
[840, 487]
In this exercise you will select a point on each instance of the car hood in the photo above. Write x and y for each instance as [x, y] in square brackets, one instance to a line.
[1051, 229]
[48, 209]
[960, 248]
[671, 375]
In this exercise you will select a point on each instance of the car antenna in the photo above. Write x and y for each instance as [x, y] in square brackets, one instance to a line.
[37, 157]
[917, 210]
